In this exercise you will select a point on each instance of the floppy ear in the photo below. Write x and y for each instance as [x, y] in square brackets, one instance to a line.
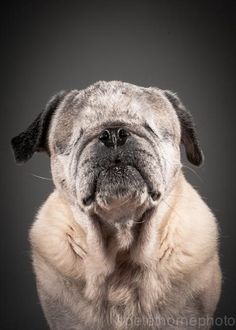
[34, 138]
[188, 132]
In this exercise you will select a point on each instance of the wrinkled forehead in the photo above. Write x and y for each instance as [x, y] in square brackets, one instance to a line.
[113, 105]
[119, 101]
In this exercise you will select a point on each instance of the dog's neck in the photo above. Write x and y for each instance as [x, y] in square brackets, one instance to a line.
[138, 239]
[103, 248]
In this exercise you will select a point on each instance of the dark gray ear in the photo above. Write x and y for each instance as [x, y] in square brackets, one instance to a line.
[34, 138]
[188, 132]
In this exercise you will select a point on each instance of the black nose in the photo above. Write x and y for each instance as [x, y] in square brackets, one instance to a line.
[112, 137]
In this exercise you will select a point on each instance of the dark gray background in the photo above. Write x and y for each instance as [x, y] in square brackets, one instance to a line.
[186, 46]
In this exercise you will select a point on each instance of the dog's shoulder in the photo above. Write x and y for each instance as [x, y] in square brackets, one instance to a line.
[189, 237]
[198, 218]
[50, 236]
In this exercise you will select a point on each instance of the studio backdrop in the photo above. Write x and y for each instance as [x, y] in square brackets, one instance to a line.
[47, 46]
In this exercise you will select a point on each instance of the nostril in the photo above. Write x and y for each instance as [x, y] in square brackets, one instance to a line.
[122, 133]
[105, 136]
[117, 161]
[113, 137]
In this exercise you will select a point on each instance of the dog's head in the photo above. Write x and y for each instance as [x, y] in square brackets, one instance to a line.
[114, 147]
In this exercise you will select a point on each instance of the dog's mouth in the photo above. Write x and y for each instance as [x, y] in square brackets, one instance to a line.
[119, 185]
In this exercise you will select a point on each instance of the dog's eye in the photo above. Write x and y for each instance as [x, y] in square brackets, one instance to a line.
[62, 148]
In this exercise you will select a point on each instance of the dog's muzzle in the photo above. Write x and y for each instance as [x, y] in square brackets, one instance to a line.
[119, 179]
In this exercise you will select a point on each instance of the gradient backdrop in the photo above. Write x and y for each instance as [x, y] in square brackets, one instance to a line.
[186, 46]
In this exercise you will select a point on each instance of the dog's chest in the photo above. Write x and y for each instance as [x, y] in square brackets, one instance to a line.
[130, 293]
[129, 285]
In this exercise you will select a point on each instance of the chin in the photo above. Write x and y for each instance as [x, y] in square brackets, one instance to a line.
[121, 195]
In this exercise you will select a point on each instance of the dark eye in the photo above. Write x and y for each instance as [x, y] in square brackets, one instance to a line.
[60, 147]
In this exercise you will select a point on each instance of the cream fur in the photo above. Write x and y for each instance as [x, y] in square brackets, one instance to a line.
[171, 270]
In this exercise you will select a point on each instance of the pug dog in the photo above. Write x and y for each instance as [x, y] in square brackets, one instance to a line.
[124, 241]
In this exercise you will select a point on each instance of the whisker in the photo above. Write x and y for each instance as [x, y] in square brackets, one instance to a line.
[141, 221]
[172, 209]
[40, 177]
[178, 195]
[173, 162]
[192, 170]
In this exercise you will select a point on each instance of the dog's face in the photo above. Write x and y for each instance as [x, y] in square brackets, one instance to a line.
[114, 146]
